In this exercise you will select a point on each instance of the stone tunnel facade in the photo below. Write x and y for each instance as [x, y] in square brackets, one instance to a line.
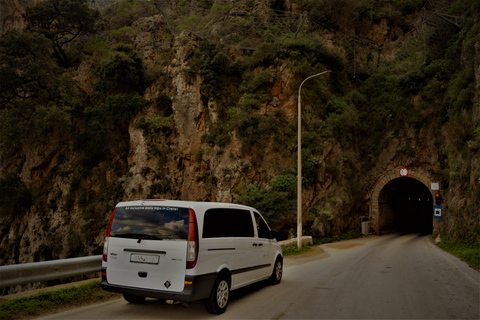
[379, 213]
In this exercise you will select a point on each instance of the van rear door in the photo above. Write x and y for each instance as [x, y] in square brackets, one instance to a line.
[147, 247]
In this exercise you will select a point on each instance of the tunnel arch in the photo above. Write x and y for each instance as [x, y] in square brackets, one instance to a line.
[402, 200]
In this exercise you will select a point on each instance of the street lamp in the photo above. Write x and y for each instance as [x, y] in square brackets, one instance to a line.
[299, 163]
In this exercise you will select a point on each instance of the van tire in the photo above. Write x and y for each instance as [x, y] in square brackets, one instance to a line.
[134, 299]
[218, 301]
[277, 272]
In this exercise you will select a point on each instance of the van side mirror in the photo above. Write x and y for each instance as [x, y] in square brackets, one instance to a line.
[273, 234]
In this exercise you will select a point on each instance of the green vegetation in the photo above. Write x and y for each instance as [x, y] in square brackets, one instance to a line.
[35, 98]
[293, 250]
[466, 250]
[249, 68]
[126, 12]
[121, 71]
[41, 303]
[276, 201]
[62, 22]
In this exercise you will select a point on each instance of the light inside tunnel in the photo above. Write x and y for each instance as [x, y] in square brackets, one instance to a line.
[406, 205]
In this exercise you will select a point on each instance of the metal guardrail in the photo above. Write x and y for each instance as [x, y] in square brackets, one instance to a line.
[24, 273]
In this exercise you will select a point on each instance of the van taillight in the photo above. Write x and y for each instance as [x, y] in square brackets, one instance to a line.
[192, 240]
[105, 250]
[105, 245]
[110, 223]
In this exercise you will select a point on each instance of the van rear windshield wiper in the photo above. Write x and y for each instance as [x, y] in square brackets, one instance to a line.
[149, 236]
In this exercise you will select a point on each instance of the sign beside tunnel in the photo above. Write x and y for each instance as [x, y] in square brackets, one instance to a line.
[437, 212]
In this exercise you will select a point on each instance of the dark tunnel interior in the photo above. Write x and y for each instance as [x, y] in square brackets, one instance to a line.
[407, 206]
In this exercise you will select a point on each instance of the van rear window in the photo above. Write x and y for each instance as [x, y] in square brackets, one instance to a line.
[150, 222]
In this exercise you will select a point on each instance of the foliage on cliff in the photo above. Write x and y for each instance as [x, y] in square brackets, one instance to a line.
[246, 61]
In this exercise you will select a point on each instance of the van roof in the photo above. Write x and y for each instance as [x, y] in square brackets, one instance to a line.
[181, 203]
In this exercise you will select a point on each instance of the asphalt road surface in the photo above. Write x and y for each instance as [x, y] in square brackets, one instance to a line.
[378, 277]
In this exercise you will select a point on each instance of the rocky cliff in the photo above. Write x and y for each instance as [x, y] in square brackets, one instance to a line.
[11, 12]
[229, 135]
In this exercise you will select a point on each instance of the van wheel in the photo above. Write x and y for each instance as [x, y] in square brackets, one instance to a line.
[218, 301]
[134, 299]
[277, 273]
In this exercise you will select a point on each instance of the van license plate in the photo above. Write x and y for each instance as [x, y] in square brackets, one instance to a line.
[144, 258]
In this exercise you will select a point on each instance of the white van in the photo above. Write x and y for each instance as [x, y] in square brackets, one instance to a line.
[187, 251]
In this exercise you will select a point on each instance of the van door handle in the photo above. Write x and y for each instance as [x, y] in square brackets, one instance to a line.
[260, 244]
[255, 244]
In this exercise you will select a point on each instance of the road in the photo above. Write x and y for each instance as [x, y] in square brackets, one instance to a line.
[378, 277]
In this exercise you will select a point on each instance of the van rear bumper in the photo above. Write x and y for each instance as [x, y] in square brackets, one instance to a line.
[199, 289]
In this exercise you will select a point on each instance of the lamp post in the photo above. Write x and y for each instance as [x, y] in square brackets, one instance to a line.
[299, 163]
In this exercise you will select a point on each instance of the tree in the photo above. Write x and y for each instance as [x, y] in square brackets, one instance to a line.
[26, 71]
[62, 21]
[122, 71]
[35, 98]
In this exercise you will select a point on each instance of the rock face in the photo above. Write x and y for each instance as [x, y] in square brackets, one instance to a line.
[477, 75]
[187, 106]
[11, 14]
[181, 166]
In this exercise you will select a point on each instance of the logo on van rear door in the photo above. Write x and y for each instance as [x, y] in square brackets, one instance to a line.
[167, 284]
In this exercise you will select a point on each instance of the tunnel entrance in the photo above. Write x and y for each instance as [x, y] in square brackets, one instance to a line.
[406, 205]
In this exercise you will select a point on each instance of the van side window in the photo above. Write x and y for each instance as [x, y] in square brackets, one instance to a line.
[224, 222]
[262, 227]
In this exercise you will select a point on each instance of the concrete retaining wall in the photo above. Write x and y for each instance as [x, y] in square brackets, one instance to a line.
[293, 242]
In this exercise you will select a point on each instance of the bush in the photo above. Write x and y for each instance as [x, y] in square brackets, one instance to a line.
[412, 82]
[125, 12]
[284, 183]
[261, 81]
[274, 202]
[461, 91]
[159, 188]
[204, 4]
[256, 128]
[123, 106]
[121, 71]
[96, 45]
[467, 251]
[156, 126]
[310, 167]
[249, 103]
[218, 136]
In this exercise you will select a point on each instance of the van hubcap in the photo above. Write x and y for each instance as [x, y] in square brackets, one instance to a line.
[278, 270]
[222, 294]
